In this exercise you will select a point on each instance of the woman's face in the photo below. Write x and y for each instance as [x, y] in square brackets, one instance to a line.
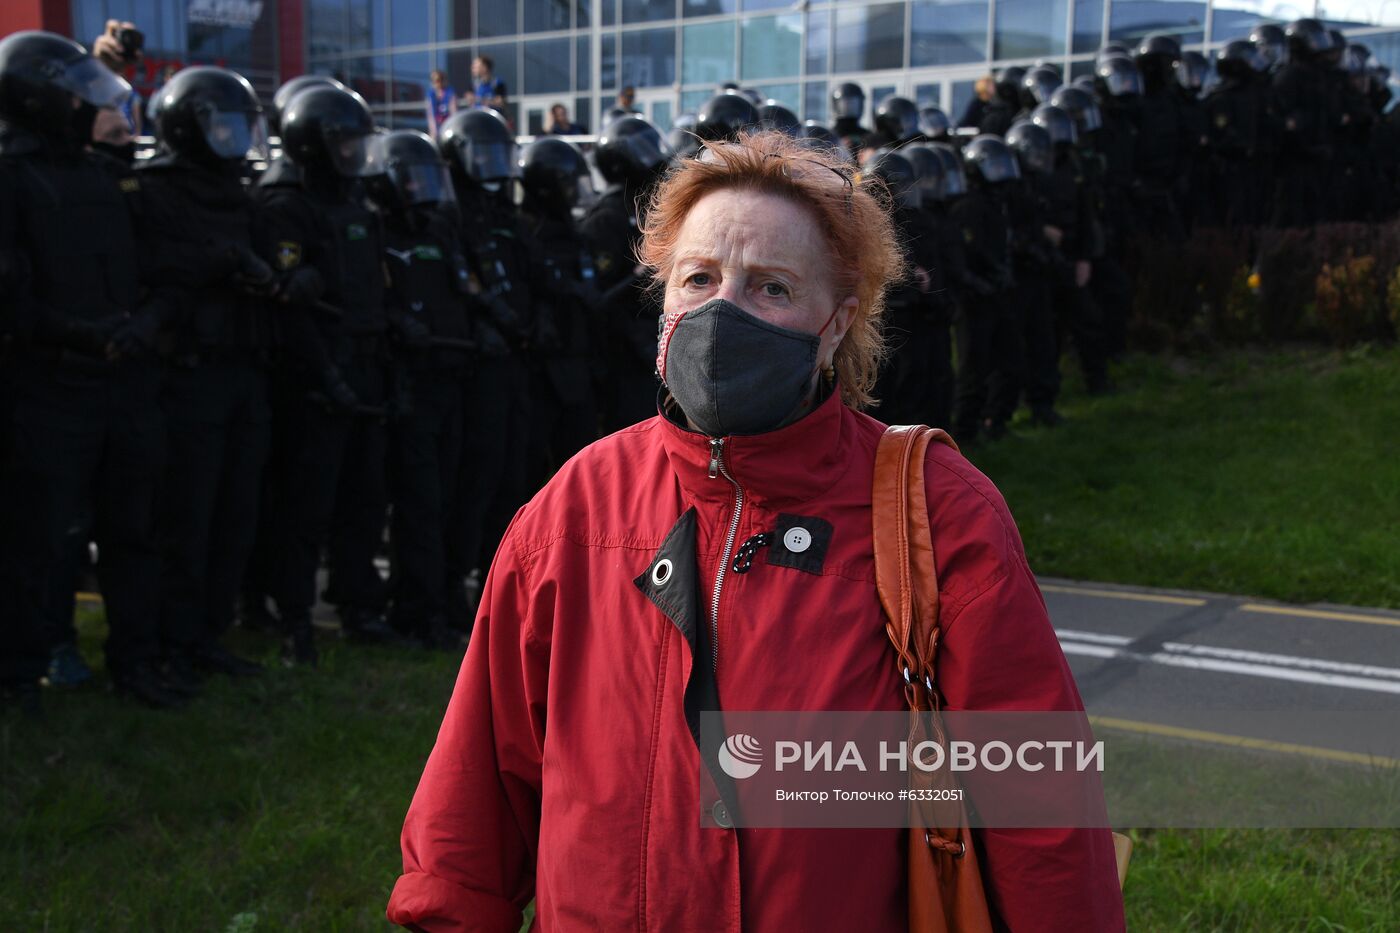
[765, 254]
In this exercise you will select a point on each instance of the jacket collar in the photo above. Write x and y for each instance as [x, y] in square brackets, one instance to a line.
[777, 470]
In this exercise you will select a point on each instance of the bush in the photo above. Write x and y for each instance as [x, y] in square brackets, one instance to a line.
[1349, 299]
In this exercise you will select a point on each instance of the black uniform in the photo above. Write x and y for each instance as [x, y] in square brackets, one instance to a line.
[197, 223]
[911, 378]
[627, 326]
[1236, 124]
[983, 219]
[1302, 94]
[337, 371]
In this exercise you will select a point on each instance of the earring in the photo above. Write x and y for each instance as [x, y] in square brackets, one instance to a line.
[829, 371]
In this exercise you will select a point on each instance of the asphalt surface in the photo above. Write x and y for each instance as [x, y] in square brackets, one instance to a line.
[1320, 680]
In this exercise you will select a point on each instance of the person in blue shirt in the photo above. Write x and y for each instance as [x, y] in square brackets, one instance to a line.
[490, 92]
[441, 100]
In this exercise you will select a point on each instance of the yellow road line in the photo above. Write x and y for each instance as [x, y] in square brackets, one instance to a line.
[1243, 741]
[1118, 594]
[1318, 614]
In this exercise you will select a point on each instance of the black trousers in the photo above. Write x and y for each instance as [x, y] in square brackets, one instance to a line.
[334, 473]
[564, 416]
[492, 483]
[975, 331]
[1079, 319]
[424, 458]
[908, 382]
[1042, 345]
[87, 454]
[218, 423]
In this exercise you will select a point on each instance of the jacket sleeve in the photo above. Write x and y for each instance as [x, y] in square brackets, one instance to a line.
[999, 652]
[471, 834]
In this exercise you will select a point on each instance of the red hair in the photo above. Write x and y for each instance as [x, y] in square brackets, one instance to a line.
[852, 214]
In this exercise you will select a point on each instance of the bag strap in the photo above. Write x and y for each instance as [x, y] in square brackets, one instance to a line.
[906, 578]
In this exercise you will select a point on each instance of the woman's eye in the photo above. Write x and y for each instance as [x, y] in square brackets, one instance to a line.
[775, 290]
[700, 278]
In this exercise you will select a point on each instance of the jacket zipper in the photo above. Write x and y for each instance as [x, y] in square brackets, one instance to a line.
[717, 468]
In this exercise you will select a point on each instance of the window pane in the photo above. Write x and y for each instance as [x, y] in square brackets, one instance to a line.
[364, 16]
[647, 11]
[1031, 28]
[707, 53]
[409, 21]
[583, 64]
[410, 71]
[1084, 67]
[963, 92]
[814, 106]
[607, 72]
[609, 12]
[869, 38]
[325, 29]
[369, 77]
[692, 101]
[661, 115]
[818, 41]
[771, 47]
[753, 6]
[928, 95]
[583, 112]
[534, 122]
[583, 14]
[546, 66]
[1130, 20]
[459, 69]
[496, 18]
[649, 58]
[544, 15]
[947, 33]
[1088, 26]
[707, 7]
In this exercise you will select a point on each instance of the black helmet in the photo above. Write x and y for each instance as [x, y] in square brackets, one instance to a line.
[403, 171]
[630, 149]
[555, 175]
[1085, 83]
[1272, 44]
[1114, 49]
[1192, 71]
[991, 161]
[814, 135]
[1160, 45]
[1239, 59]
[327, 129]
[291, 89]
[725, 116]
[928, 170]
[752, 94]
[682, 140]
[1056, 122]
[211, 114]
[1082, 108]
[934, 123]
[480, 144]
[1120, 77]
[1008, 84]
[774, 116]
[1039, 83]
[847, 102]
[41, 73]
[1307, 38]
[1032, 146]
[898, 174]
[897, 118]
[954, 178]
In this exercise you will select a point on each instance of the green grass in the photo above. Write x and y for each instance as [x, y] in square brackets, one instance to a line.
[276, 804]
[1273, 474]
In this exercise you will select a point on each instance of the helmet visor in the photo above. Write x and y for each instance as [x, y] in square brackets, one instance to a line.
[422, 183]
[997, 170]
[234, 134]
[349, 155]
[92, 82]
[847, 106]
[643, 149]
[490, 161]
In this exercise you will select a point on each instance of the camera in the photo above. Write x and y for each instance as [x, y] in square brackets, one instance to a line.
[132, 41]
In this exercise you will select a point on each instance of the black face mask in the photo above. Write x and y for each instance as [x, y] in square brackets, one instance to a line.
[734, 373]
[124, 154]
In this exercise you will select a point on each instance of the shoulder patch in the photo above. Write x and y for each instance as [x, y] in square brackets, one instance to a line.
[288, 254]
[129, 185]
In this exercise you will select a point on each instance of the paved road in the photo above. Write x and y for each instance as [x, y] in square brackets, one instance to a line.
[1322, 680]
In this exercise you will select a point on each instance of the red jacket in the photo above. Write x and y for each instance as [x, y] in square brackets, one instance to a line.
[566, 769]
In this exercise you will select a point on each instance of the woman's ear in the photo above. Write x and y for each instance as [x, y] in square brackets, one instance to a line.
[840, 324]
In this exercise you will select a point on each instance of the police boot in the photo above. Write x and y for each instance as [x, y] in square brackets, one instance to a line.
[299, 646]
[144, 683]
[367, 626]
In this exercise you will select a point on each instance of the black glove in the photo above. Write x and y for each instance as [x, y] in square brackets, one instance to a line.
[89, 338]
[251, 273]
[339, 395]
[136, 336]
[302, 287]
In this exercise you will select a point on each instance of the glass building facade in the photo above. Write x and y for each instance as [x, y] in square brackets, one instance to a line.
[676, 52]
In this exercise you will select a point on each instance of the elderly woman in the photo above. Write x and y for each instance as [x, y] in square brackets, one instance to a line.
[567, 768]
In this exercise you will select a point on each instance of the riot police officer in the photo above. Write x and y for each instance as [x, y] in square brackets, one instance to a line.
[934, 124]
[556, 179]
[983, 218]
[1028, 359]
[847, 110]
[897, 120]
[282, 169]
[682, 139]
[774, 116]
[480, 151]
[329, 247]
[630, 157]
[725, 116]
[1162, 156]
[1302, 94]
[1236, 124]
[429, 288]
[210, 243]
[86, 440]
